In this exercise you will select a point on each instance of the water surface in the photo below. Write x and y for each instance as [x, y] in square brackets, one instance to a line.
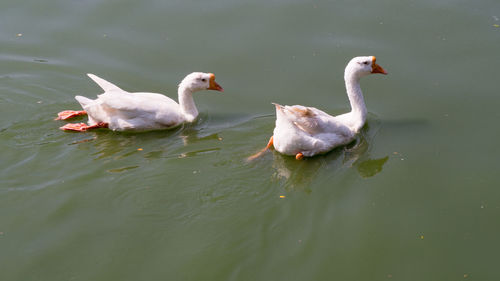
[415, 197]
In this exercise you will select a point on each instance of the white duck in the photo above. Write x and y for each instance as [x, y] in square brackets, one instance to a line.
[120, 110]
[307, 131]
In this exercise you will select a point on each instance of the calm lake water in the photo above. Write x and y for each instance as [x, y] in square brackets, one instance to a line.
[416, 197]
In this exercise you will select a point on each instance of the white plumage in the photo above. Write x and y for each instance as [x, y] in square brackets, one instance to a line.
[120, 110]
[307, 131]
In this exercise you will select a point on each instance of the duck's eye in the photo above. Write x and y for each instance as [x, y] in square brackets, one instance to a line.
[365, 62]
[203, 80]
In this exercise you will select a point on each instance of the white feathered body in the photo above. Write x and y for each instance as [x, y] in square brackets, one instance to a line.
[308, 130]
[125, 111]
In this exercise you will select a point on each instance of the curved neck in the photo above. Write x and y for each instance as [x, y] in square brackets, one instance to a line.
[186, 102]
[358, 107]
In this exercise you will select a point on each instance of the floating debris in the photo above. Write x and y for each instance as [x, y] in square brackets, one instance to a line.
[282, 196]
[19, 34]
[140, 149]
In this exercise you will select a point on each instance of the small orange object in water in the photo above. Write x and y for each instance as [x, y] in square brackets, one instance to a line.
[282, 196]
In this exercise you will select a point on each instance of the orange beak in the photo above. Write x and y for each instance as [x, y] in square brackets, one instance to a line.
[377, 68]
[213, 85]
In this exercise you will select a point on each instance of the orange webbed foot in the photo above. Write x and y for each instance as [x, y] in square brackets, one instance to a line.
[63, 115]
[82, 127]
[78, 127]
[299, 156]
[258, 154]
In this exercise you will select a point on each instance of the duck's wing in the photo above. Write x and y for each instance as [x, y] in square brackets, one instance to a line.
[119, 100]
[105, 85]
[133, 105]
[311, 120]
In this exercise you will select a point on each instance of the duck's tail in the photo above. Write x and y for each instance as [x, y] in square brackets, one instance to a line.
[83, 100]
[278, 106]
[105, 85]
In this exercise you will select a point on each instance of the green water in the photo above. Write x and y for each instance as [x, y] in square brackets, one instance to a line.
[417, 197]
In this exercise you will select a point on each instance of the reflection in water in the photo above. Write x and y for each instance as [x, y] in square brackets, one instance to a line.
[118, 145]
[190, 136]
[208, 127]
[359, 156]
[293, 174]
[159, 144]
[162, 143]
[370, 167]
[297, 175]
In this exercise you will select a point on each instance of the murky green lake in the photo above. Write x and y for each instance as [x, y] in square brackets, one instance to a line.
[416, 197]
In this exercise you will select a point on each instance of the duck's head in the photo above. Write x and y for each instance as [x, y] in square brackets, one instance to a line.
[362, 66]
[198, 81]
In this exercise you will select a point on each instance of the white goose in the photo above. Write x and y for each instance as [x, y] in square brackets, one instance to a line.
[120, 110]
[307, 131]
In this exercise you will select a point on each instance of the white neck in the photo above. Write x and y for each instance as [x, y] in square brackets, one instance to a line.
[186, 102]
[358, 108]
